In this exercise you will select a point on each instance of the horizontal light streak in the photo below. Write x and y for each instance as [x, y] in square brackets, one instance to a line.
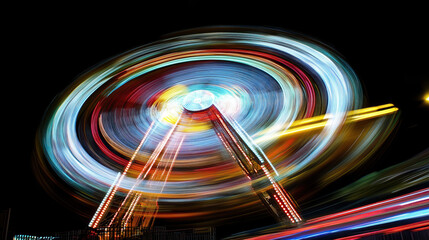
[319, 122]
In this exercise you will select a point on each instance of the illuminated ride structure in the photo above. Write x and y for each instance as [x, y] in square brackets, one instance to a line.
[139, 130]
[137, 210]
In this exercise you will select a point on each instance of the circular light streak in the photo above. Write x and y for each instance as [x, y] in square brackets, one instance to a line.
[264, 80]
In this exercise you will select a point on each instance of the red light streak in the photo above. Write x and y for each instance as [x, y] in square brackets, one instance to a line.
[369, 213]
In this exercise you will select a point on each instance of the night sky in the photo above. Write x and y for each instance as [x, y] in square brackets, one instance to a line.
[47, 47]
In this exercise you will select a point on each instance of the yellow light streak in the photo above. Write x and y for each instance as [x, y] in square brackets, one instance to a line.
[319, 122]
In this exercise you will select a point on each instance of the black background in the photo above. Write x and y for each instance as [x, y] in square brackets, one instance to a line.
[45, 47]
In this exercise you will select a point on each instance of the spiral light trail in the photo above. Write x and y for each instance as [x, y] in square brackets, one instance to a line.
[275, 85]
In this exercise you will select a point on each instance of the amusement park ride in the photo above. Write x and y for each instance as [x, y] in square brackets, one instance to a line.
[117, 121]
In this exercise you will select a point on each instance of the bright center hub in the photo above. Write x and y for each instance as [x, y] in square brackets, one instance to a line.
[198, 100]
